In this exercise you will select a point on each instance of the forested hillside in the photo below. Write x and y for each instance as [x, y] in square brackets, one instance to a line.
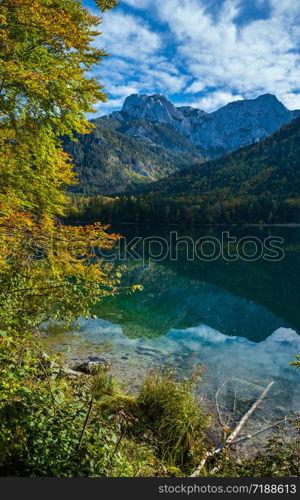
[258, 183]
[110, 161]
[272, 165]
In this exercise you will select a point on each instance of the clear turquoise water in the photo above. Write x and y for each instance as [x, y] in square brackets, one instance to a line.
[239, 319]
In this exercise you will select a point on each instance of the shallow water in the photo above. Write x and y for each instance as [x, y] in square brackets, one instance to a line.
[241, 320]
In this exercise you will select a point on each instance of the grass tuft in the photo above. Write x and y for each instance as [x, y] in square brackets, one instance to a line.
[170, 410]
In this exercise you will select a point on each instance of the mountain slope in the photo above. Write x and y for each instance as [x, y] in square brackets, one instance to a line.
[272, 165]
[110, 161]
[258, 183]
[150, 139]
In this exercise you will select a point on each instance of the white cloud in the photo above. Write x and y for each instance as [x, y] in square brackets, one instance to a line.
[119, 93]
[286, 7]
[291, 101]
[237, 61]
[195, 87]
[216, 100]
[106, 107]
[137, 4]
[127, 36]
[156, 80]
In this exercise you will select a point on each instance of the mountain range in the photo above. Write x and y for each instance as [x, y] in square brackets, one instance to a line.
[214, 134]
[259, 183]
[150, 138]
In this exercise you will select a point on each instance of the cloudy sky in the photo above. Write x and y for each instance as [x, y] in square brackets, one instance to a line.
[204, 53]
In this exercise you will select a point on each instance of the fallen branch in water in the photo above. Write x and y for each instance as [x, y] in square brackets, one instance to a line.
[250, 436]
[221, 422]
[230, 439]
[225, 425]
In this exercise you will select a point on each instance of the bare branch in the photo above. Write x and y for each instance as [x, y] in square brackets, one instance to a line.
[233, 408]
[50, 388]
[250, 436]
[221, 422]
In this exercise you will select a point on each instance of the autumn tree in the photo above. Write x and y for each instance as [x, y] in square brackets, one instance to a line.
[46, 269]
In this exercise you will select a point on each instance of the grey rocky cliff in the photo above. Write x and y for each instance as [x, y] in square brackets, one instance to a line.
[237, 124]
[155, 108]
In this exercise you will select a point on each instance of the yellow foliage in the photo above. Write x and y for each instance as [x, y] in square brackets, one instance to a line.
[46, 269]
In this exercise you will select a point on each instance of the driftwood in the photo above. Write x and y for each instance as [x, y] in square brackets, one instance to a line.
[232, 436]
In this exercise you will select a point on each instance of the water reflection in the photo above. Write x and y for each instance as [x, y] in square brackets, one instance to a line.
[240, 319]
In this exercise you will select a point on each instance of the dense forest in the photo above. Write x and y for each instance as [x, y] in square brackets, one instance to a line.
[256, 184]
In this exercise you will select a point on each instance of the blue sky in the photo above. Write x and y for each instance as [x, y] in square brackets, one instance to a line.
[204, 53]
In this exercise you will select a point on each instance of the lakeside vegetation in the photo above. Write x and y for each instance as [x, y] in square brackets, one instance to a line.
[59, 425]
[53, 423]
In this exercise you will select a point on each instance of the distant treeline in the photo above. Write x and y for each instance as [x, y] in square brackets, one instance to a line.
[140, 210]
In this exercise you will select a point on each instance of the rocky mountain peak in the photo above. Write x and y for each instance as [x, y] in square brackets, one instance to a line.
[154, 108]
[237, 124]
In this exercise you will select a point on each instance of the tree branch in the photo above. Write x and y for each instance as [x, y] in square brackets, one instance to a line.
[234, 433]
[50, 388]
[86, 421]
[250, 436]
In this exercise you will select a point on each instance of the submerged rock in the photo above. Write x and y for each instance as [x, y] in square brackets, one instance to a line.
[92, 366]
[150, 351]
